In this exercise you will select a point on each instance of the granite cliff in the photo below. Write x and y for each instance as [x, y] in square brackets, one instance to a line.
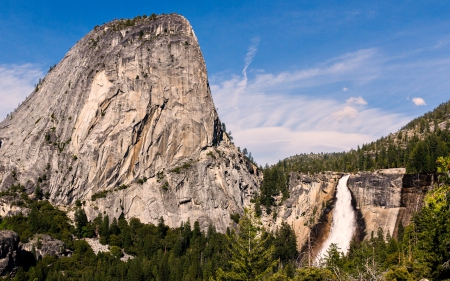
[126, 124]
[387, 198]
[382, 199]
[308, 208]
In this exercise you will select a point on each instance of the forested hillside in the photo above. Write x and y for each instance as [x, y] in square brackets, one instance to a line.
[160, 253]
[245, 253]
[415, 147]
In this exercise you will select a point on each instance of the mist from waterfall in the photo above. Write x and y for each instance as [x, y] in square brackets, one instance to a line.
[343, 226]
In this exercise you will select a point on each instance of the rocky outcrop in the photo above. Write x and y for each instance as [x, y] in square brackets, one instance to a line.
[44, 245]
[308, 209]
[377, 197]
[9, 241]
[11, 206]
[126, 122]
[414, 189]
[388, 197]
[383, 198]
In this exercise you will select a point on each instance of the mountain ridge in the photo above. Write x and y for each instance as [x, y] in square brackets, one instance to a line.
[128, 111]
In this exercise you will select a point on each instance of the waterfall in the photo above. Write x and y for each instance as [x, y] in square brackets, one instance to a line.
[343, 226]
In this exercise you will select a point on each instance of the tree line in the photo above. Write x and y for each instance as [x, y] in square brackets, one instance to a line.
[416, 147]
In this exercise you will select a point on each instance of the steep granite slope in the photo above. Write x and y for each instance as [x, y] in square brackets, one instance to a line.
[386, 198]
[308, 209]
[126, 123]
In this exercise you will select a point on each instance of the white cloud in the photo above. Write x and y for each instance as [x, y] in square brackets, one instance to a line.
[348, 66]
[270, 144]
[16, 83]
[250, 54]
[358, 100]
[273, 123]
[347, 113]
[418, 101]
[345, 89]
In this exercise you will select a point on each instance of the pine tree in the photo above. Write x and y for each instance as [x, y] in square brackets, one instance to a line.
[285, 244]
[251, 259]
[80, 221]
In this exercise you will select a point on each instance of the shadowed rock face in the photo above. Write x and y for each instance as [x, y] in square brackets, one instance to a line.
[414, 189]
[129, 107]
[387, 197]
[9, 241]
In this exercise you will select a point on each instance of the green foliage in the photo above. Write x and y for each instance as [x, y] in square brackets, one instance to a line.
[38, 191]
[165, 186]
[44, 219]
[275, 182]
[250, 252]
[100, 194]
[285, 244]
[185, 166]
[399, 274]
[313, 274]
[235, 217]
[81, 222]
[421, 250]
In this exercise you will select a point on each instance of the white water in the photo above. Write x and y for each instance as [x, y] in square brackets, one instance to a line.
[343, 226]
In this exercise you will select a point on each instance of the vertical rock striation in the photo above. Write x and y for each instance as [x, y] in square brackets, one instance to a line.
[126, 122]
[386, 198]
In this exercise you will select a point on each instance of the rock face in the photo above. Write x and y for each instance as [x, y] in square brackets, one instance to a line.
[127, 116]
[44, 245]
[9, 241]
[310, 202]
[386, 198]
[8, 207]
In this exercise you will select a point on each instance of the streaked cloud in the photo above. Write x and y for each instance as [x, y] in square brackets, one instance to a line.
[16, 83]
[250, 54]
[345, 89]
[268, 116]
[418, 101]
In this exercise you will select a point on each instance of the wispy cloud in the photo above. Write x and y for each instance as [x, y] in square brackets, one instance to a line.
[250, 55]
[272, 122]
[348, 66]
[418, 101]
[16, 83]
[442, 42]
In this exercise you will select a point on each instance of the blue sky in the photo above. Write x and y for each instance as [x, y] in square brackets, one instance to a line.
[288, 77]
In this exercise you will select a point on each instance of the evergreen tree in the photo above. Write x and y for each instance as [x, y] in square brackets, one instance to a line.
[251, 259]
[80, 221]
[285, 244]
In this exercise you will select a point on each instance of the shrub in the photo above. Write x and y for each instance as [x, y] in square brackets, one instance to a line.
[235, 217]
[101, 194]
